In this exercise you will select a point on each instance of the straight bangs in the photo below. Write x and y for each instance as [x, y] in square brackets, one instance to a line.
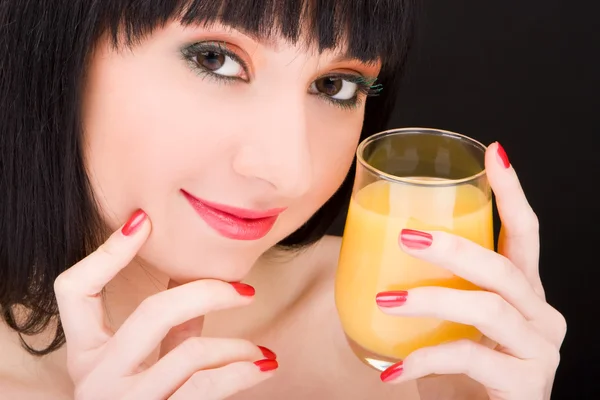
[367, 30]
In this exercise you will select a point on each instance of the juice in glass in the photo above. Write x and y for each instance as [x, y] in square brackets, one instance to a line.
[371, 260]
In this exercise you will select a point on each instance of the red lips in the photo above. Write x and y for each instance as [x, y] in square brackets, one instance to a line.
[232, 222]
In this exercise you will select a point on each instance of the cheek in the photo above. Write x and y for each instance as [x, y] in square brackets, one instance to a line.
[336, 134]
[140, 137]
[334, 138]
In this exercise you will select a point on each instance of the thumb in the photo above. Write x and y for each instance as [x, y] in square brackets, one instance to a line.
[180, 333]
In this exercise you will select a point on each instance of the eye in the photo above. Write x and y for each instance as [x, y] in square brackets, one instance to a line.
[219, 63]
[216, 60]
[335, 87]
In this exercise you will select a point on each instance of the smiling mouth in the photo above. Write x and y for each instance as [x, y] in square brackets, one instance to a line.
[232, 222]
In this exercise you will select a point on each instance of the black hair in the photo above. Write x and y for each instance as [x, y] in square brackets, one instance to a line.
[48, 216]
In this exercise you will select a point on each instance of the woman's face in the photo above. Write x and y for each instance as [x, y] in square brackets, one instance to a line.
[195, 121]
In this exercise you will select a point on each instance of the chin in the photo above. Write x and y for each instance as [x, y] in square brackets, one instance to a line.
[201, 255]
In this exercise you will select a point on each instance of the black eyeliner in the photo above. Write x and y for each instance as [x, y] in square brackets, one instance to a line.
[192, 51]
[365, 85]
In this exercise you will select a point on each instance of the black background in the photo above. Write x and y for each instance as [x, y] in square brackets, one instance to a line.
[523, 73]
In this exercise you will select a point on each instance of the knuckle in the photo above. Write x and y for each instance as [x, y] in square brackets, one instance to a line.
[537, 379]
[194, 346]
[206, 290]
[202, 381]
[450, 244]
[503, 269]
[152, 306]
[528, 221]
[78, 393]
[466, 349]
[210, 289]
[560, 325]
[447, 248]
[245, 348]
[216, 295]
[538, 288]
[64, 283]
[226, 381]
[239, 376]
[84, 391]
[108, 249]
[212, 382]
[492, 308]
[424, 357]
[553, 359]
[466, 355]
[74, 366]
[531, 220]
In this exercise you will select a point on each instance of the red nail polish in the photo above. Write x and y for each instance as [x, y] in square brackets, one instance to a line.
[243, 289]
[415, 239]
[135, 223]
[268, 354]
[392, 372]
[502, 157]
[267, 365]
[391, 299]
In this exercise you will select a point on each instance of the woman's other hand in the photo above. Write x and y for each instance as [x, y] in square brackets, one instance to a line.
[511, 309]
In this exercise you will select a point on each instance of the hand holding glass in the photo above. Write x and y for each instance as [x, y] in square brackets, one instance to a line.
[413, 178]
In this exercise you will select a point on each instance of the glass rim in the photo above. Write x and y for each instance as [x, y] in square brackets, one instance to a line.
[411, 181]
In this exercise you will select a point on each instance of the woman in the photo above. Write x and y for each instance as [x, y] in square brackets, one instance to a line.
[154, 154]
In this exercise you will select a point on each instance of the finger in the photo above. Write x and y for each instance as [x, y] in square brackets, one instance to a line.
[78, 289]
[193, 355]
[181, 332]
[221, 383]
[163, 311]
[485, 268]
[519, 236]
[492, 369]
[487, 311]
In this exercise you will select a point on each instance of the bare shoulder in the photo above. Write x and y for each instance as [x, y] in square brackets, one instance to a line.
[31, 384]
[25, 377]
[11, 388]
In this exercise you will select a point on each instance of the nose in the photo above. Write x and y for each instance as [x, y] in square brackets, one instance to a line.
[275, 148]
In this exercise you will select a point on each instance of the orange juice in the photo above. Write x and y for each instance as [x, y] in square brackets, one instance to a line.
[371, 261]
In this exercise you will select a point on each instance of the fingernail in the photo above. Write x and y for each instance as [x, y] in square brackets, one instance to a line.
[268, 354]
[391, 299]
[502, 157]
[393, 372]
[267, 365]
[415, 239]
[135, 223]
[243, 289]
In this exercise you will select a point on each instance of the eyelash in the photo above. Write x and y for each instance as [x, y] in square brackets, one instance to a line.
[365, 86]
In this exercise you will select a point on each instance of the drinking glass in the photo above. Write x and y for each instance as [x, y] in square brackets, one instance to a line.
[413, 178]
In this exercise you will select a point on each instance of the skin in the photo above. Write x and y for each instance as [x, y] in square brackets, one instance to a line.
[147, 137]
[271, 146]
